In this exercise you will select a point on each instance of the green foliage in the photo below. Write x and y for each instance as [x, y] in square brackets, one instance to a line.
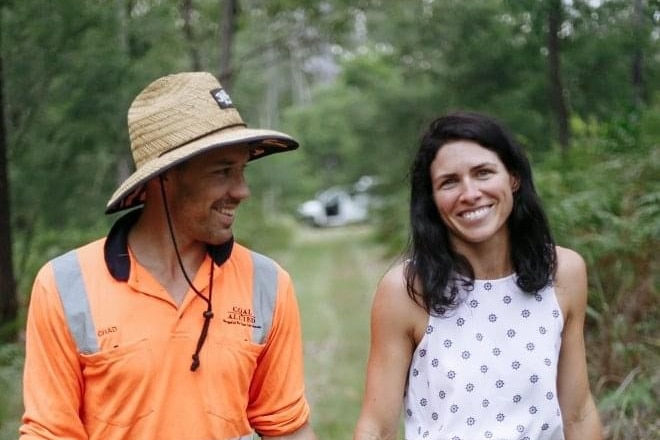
[44, 242]
[72, 68]
[58, 120]
[631, 408]
[11, 368]
[606, 39]
[326, 136]
[363, 123]
[391, 220]
[603, 200]
[261, 228]
[279, 183]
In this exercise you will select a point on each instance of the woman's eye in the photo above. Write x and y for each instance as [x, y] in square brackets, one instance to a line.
[447, 183]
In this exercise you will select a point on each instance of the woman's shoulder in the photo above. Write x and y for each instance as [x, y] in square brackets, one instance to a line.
[392, 286]
[570, 264]
[570, 280]
[394, 283]
[393, 302]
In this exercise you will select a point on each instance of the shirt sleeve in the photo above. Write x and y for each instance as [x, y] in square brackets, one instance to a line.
[277, 396]
[52, 378]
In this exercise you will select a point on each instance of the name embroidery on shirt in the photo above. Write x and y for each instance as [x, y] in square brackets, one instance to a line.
[106, 331]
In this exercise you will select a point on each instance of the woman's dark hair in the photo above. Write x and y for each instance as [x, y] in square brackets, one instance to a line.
[434, 268]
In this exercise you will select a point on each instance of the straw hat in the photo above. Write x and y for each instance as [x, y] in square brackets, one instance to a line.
[179, 116]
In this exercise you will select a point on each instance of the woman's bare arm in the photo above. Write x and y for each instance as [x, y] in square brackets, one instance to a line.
[579, 412]
[394, 318]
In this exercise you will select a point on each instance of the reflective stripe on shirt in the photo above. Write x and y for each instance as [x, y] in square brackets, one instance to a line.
[73, 294]
[264, 290]
[72, 291]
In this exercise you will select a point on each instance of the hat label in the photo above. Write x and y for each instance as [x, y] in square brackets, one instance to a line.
[222, 98]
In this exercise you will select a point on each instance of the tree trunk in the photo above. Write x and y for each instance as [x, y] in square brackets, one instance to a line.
[8, 299]
[124, 166]
[189, 36]
[557, 95]
[637, 60]
[228, 21]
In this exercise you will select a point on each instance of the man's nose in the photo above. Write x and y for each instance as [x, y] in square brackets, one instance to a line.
[240, 189]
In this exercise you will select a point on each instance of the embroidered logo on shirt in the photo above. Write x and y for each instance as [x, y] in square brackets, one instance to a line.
[241, 316]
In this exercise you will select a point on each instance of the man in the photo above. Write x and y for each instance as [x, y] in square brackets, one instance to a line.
[167, 328]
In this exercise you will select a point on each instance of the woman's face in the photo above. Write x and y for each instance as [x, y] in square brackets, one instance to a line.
[473, 192]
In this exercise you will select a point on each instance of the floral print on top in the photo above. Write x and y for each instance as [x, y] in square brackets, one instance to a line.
[488, 368]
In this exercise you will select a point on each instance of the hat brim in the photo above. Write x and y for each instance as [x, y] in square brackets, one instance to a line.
[261, 143]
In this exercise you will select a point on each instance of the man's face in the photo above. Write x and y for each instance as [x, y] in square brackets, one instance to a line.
[204, 193]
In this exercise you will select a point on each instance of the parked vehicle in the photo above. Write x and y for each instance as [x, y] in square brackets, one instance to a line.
[339, 206]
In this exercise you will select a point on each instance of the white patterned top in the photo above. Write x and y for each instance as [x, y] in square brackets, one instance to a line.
[488, 368]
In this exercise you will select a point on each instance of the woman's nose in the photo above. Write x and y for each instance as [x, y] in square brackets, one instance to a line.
[470, 191]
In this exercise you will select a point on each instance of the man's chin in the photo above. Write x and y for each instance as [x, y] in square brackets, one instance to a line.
[221, 238]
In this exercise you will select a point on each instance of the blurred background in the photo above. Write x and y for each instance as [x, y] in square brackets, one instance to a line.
[356, 82]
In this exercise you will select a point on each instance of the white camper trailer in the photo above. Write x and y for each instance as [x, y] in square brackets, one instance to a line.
[338, 206]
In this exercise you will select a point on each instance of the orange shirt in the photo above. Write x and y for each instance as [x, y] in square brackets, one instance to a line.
[139, 385]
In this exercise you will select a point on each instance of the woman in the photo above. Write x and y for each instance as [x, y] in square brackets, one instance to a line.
[479, 332]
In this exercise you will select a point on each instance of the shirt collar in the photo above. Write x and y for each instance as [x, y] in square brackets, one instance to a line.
[116, 247]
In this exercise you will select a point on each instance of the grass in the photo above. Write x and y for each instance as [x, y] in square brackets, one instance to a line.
[335, 272]
[11, 406]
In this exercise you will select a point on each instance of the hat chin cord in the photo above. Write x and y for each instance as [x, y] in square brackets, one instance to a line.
[208, 313]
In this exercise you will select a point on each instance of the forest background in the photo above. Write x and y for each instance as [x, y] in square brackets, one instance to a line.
[355, 82]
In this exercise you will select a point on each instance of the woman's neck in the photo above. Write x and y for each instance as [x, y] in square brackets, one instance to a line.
[489, 260]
